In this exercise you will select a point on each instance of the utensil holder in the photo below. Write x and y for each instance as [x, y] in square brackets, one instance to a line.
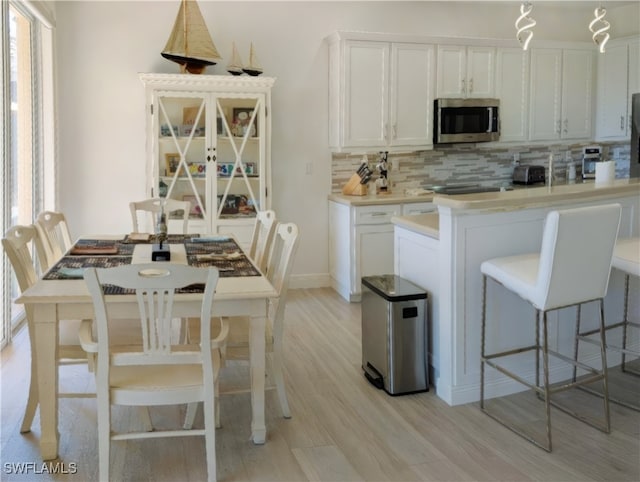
[354, 188]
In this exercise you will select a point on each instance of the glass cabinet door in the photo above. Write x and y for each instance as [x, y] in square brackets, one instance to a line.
[181, 160]
[209, 148]
[240, 144]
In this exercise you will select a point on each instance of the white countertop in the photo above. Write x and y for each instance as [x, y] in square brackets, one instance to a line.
[540, 196]
[427, 224]
[377, 199]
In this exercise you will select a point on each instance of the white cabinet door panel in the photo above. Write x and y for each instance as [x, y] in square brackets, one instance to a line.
[612, 93]
[411, 94]
[366, 93]
[544, 114]
[512, 88]
[577, 95]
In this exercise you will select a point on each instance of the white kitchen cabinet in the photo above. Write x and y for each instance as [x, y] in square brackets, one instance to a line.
[512, 88]
[465, 71]
[208, 141]
[561, 101]
[618, 78]
[380, 93]
[361, 242]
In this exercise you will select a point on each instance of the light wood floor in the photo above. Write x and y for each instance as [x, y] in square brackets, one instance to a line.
[342, 428]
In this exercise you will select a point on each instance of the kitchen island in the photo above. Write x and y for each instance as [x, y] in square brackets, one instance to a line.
[442, 253]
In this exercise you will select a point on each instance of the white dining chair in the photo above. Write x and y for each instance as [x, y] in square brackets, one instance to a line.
[263, 231]
[55, 237]
[236, 346]
[152, 207]
[17, 243]
[159, 371]
[572, 268]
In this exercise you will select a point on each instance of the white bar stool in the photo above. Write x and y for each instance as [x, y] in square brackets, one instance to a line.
[626, 258]
[557, 277]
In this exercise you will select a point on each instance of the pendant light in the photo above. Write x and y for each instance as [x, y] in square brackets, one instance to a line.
[600, 33]
[525, 32]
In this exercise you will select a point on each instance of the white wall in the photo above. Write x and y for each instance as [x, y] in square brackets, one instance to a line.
[102, 46]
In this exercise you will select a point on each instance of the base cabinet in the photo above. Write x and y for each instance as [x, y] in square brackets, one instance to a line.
[361, 243]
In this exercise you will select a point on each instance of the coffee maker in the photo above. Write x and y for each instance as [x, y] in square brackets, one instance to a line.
[591, 155]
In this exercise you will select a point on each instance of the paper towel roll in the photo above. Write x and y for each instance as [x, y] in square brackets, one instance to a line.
[605, 171]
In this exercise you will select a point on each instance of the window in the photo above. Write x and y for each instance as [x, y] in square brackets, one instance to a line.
[23, 134]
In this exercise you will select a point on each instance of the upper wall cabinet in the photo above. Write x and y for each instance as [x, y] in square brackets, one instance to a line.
[618, 78]
[561, 94]
[465, 71]
[380, 94]
[512, 88]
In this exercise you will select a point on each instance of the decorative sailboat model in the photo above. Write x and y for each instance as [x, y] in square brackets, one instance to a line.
[235, 66]
[190, 44]
[254, 67]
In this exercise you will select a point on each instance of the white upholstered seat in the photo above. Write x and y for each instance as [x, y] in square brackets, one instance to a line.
[626, 258]
[572, 268]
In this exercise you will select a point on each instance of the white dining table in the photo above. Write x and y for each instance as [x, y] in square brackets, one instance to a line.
[60, 299]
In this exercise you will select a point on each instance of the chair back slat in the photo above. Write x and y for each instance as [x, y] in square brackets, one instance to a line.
[263, 232]
[17, 243]
[283, 249]
[155, 285]
[54, 238]
[153, 206]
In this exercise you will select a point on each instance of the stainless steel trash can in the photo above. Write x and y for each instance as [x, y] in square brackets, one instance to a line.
[394, 334]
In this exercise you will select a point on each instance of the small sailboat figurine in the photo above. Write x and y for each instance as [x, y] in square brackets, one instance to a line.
[235, 66]
[254, 67]
[190, 44]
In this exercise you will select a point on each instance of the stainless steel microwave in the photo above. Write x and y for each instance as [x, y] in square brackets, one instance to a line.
[466, 120]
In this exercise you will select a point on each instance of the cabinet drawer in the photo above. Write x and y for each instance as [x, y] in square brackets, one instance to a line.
[376, 214]
[418, 208]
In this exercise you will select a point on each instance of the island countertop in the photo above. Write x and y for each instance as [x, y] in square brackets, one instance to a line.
[427, 224]
[540, 196]
[379, 199]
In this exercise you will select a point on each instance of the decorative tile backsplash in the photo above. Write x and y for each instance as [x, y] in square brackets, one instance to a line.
[471, 163]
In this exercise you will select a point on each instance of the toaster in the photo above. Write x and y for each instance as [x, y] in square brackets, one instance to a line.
[528, 174]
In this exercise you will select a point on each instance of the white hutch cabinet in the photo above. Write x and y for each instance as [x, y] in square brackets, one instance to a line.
[562, 95]
[465, 72]
[380, 92]
[209, 142]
